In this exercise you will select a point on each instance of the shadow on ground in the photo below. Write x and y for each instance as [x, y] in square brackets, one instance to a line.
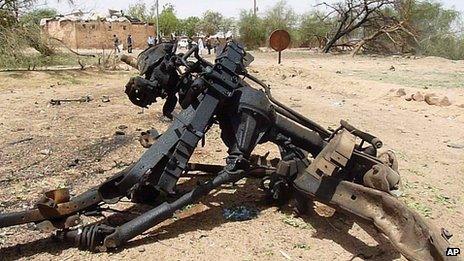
[335, 228]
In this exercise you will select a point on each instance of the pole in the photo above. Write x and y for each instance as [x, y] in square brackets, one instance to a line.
[157, 23]
[280, 57]
[254, 7]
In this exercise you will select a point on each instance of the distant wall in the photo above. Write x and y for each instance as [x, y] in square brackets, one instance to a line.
[98, 34]
[63, 30]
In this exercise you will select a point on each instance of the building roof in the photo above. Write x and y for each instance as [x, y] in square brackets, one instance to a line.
[80, 16]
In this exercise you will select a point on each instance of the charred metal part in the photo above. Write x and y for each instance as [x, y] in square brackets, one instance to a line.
[361, 134]
[87, 238]
[408, 231]
[78, 204]
[344, 173]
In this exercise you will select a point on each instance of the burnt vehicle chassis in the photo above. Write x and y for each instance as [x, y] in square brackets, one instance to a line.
[340, 168]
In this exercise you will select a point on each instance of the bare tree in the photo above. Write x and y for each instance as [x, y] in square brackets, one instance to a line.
[351, 15]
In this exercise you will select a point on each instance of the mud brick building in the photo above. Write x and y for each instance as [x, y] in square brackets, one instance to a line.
[78, 31]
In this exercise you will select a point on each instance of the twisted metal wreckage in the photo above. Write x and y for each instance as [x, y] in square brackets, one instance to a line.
[340, 168]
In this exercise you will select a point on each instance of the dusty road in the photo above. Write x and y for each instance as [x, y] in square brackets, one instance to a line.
[43, 147]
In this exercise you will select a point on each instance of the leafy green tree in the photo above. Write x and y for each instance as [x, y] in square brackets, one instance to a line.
[33, 17]
[438, 29]
[142, 12]
[168, 21]
[211, 22]
[280, 16]
[251, 29]
[189, 26]
[227, 25]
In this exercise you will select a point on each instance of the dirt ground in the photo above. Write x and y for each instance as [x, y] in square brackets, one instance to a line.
[74, 145]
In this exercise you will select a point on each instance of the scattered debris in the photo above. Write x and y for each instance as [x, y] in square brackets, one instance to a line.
[105, 99]
[86, 98]
[296, 222]
[240, 213]
[20, 141]
[148, 138]
[302, 246]
[456, 145]
[309, 87]
[338, 103]
[392, 68]
[73, 163]
[285, 255]
[45, 152]
[338, 72]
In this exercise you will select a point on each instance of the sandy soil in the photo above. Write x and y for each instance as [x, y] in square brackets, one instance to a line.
[74, 145]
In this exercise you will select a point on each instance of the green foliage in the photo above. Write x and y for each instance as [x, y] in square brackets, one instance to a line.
[189, 26]
[168, 21]
[33, 17]
[438, 30]
[251, 29]
[211, 22]
[142, 12]
[280, 16]
[23, 32]
[314, 29]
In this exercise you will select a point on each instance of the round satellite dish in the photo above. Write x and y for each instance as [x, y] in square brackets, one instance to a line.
[279, 40]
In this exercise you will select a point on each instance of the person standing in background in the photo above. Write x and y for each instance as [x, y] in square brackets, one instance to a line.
[189, 43]
[150, 41]
[208, 44]
[116, 44]
[201, 46]
[129, 43]
[217, 46]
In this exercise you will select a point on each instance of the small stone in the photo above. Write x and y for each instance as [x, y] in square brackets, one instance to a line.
[392, 68]
[218, 150]
[400, 92]
[120, 133]
[408, 99]
[309, 87]
[141, 250]
[283, 77]
[445, 102]
[432, 99]
[45, 152]
[418, 96]
[338, 72]
[122, 127]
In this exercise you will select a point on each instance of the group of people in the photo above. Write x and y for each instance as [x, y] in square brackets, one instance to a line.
[151, 41]
[207, 43]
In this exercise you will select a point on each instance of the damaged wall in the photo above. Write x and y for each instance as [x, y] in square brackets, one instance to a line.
[98, 34]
